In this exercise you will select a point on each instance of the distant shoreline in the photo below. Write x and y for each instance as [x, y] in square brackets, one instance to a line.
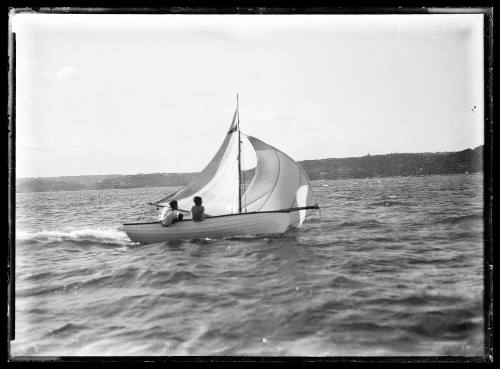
[370, 166]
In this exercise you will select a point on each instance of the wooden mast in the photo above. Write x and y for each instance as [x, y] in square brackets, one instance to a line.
[239, 156]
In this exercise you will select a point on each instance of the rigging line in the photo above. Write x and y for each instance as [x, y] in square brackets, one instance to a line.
[239, 155]
[243, 184]
[254, 178]
[244, 191]
[235, 191]
[169, 196]
[239, 170]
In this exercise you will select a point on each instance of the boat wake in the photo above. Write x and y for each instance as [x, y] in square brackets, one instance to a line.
[105, 236]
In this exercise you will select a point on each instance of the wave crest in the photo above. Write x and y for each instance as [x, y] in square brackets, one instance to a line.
[460, 218]
[85, 235]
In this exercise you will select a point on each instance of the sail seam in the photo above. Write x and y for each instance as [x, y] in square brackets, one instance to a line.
[275, 182]
[254, 178]
[258, 198]
[287, 156]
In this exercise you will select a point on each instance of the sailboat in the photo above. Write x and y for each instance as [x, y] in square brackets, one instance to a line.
[277, 198]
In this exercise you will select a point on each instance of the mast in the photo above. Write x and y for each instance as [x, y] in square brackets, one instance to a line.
[239, 156]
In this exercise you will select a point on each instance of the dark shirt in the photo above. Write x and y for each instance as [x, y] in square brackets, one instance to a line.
[197, 213]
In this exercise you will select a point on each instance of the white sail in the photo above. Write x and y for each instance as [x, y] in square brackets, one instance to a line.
[217, 184]
[220, 195]
[279, 182]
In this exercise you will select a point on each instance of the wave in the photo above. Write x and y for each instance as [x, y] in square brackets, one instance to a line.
[392, 203]
[181, 276]
[370, 223]
[460, 218]
[376, 239]
[96, 281]
[345, 282]
[368, 326]
[105, 236]
[314, 220]
[67, 329]
[445, 324]
[416, 300]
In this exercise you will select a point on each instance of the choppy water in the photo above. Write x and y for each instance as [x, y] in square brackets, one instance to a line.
[389, 267]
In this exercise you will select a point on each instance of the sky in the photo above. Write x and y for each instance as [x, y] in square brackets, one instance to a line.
[127, 94]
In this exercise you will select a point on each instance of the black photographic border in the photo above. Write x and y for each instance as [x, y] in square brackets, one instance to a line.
[488, 170]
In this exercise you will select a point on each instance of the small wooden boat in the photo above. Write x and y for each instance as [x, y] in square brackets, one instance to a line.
[276, 199]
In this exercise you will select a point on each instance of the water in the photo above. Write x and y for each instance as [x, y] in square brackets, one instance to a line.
[389, 267]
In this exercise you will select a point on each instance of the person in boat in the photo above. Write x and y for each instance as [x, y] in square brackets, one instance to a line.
[171, 216]
[198, 211]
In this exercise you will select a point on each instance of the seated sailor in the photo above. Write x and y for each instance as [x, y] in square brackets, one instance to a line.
[198, 211]
[171, 216]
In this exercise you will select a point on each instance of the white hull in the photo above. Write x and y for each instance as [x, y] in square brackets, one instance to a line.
[220, 226]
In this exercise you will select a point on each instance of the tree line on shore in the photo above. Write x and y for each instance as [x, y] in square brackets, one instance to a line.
[369, 166]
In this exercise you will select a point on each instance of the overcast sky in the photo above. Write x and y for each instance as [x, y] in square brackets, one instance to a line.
[102, 94]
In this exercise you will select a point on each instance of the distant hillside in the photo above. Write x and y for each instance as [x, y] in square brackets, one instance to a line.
[95, 182]
[390, 165]
[396, 165]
